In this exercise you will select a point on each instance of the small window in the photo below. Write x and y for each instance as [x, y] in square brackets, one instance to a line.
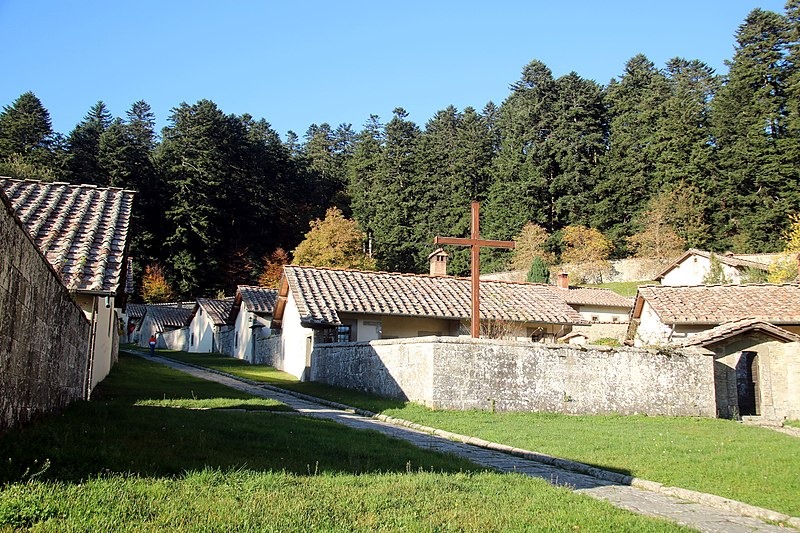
[191, 340]
[595, 318]
[615, 319]
[336, 334]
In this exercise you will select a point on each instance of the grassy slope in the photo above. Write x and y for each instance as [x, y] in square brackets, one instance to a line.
[746, 463]
[136, 459]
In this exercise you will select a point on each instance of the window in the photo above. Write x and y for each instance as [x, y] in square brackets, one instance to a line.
[595, 318]
[336, 334]
[191, 340]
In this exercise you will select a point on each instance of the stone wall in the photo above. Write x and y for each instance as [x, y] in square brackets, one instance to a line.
[44, 335]
[267, 350]
[461, 373]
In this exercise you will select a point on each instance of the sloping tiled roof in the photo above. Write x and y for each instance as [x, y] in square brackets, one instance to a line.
[717, 304]
[258, 299]
[737, 327]
[135, 310]
[592, 296]
[726, 259]
[322, 293]
[80, 229]
[164, 317]
[217, 310]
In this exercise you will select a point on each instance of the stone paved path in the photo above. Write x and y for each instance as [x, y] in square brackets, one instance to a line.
[696, 515]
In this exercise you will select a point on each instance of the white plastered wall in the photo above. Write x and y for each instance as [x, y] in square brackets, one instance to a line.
[294, 339]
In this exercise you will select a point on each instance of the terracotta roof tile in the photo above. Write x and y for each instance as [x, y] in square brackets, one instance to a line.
[258, 299]
[717, 304]
[730, 329]
[322, 293]
[592, 296]
[80, 229]
[135, 310]
[217, 310]
[164, 316]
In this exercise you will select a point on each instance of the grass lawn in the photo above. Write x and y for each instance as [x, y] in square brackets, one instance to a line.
[792, 423]
[755, 465]
[624, 288]
[139, 457]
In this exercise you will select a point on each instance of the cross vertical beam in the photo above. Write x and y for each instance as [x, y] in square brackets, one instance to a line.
[475, 243]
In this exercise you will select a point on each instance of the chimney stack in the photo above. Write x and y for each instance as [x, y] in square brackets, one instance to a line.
[562, 280]
[438, 260]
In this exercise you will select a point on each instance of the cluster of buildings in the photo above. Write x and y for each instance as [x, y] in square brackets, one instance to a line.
[752, 331]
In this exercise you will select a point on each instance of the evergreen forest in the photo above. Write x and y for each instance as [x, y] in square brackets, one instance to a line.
[713, 160]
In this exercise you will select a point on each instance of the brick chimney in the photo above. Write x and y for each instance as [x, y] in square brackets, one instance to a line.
[562, 280]
[438, 260]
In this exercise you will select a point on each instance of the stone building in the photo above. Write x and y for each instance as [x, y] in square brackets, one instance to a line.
[210, 325]
[324, 305]
[750, 330]
[82, 231]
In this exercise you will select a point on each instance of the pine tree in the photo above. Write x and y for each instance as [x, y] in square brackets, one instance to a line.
[397, 189]
[539, 271]
[82, 163]
[636, 107]
[26, 132]
[525, 165]
[755, 190]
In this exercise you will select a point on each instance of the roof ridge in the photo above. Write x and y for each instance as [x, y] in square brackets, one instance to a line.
[68, 184]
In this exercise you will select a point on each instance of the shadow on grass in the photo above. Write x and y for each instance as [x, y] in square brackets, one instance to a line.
[112, 434]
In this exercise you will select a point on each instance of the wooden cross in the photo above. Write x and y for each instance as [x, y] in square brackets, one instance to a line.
[475, 242]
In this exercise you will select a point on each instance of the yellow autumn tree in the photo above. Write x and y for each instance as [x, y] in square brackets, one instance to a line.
[529, 244]
[658, 238]
[155, 287]
[784, 269]
[333, 242]
[585, 252]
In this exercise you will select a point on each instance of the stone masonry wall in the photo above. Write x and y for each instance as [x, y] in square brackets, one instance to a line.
[44, 335]
[459, 373]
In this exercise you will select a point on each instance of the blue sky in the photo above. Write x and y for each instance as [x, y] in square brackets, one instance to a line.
[298, 62]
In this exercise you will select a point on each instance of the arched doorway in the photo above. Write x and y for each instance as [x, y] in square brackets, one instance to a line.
[747, 389]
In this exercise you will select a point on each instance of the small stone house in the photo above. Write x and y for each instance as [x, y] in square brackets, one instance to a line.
[606, 312]
[325, 305]
[750, 331]
[82, 230]
[756, 369]
[251, 315]
[169, 323]
[694, 265]
[664, 315]
[210, 327]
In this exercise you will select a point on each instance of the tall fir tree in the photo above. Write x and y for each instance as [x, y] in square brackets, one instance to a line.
[755, 189]
[397, 183]
[26, 132]
[82, 160]
[525, 164]
[636, 109]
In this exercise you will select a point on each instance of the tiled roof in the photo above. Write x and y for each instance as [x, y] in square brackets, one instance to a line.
[717, 304]
[80, 229]
[322, 293]
[733, 260]
[592, 296]
[164, 316]
[135, 310]
[737, 327]
[217, 310]
[258, 299]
